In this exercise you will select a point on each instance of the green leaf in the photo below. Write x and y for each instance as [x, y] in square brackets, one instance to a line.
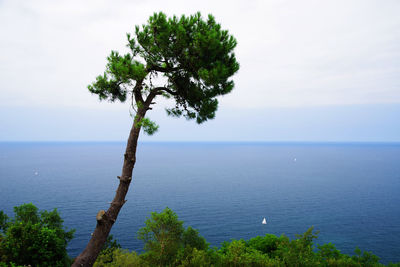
[194, 55]
[148, 126]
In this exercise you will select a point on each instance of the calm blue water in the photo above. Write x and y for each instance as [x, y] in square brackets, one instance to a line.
[350, 192]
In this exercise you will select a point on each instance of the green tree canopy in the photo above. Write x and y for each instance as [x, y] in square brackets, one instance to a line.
[269, 250]
[194, 58]
[34, 238]
[162, 236]
[166, 241]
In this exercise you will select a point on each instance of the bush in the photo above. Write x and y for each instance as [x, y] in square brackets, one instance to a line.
[267, 244]
[120, 258]
[168, 243]
[162, 237]
[34, 238]
[236, 253]
[192, 239]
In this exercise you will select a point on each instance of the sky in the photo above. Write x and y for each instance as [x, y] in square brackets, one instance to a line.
[309, 70]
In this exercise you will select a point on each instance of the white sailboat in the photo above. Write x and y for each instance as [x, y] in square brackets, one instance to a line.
[264, 221]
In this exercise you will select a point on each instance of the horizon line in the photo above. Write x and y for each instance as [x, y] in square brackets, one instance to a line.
[202, 141]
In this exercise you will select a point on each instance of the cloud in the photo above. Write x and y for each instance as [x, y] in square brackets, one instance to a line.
[292, 53]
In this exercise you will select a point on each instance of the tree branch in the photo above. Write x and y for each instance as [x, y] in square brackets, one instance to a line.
[137, 91]
[149, 99]
[161, 69]
[169, 91]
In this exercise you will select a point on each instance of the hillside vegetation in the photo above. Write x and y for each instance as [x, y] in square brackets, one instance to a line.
[39, 239]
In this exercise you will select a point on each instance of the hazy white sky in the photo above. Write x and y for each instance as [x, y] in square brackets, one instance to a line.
[293, 54]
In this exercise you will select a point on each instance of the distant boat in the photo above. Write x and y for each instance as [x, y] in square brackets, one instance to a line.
[264, 221]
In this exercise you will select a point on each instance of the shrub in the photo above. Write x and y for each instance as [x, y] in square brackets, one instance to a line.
[34, 238]
[120, 258]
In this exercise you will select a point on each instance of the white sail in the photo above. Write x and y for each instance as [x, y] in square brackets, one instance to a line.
[264, 221]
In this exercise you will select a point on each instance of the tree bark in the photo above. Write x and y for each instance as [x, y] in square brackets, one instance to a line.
[106, 219]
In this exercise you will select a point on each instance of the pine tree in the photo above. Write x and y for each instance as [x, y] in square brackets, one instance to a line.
[193, 57]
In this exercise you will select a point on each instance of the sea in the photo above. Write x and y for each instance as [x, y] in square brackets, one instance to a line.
[349, 192]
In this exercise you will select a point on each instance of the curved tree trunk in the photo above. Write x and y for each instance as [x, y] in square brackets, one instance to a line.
[106, 219]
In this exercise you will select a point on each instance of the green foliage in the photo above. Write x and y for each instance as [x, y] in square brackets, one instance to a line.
[121, 258]
[298, 251]
[266, 244]
[3, 220]
[194, 249]
[365, 258]
[108, 249]
[236, 253]
[193, 56]
[167, 243]
[11, 264]
[328, 251]
[196, 258]
[35, 238]
[162, 237]
[148, 126]
[192, 239]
